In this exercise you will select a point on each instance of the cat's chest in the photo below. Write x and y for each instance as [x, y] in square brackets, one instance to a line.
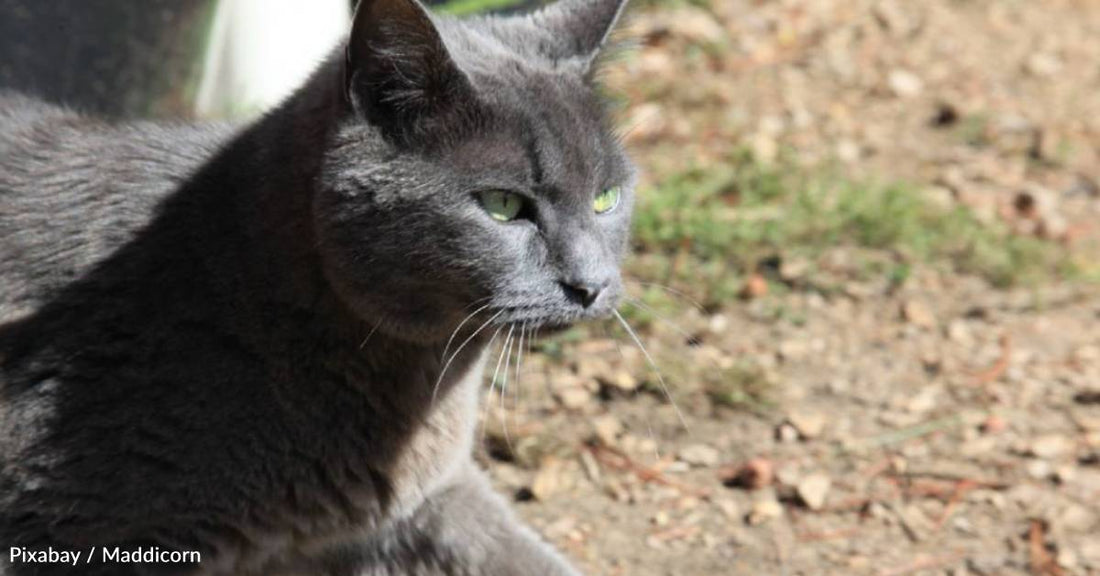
[434, 451]
[439, 445]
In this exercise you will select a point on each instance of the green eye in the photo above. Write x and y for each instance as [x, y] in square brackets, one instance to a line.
[607, 200]
[501, 205]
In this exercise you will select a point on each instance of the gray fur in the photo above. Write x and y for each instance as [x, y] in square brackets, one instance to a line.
[232, 341]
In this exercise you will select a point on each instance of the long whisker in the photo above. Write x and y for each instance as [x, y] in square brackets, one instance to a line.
[653, 366]
[500, 359]
[653, 438]
[371, 333]
[637, 302]
[493, 382]
[672, 291]
[447, 364]
[489, 345]
[667, 321]
[648, 422]
[451, 340]
[504, 387]
[519, 362]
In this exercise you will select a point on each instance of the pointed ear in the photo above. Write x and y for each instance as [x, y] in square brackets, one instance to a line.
[399, 72]
[577, 28]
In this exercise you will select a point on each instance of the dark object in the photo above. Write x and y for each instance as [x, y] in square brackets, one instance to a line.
[946, 115]
[1087, 397]
[116, 58]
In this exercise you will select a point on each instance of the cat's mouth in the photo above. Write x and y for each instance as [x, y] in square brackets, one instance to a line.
[551, 328]
[551, 323]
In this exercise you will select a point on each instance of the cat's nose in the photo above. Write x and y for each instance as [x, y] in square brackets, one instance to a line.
[584, 291]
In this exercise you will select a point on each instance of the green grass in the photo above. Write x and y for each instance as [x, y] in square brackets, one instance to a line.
[468, 7]
[706, 228]
[974, 130]
[744, 386]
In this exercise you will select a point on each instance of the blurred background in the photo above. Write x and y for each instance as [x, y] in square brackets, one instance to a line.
[865, 270]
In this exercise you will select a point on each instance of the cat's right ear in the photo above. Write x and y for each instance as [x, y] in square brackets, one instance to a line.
[578, 29]
[399, 73]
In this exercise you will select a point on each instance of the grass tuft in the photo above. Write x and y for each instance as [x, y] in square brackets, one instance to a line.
[470, 7]
[743, 386]
[709, 227]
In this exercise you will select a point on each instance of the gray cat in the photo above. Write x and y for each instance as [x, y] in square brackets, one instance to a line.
[265, 346]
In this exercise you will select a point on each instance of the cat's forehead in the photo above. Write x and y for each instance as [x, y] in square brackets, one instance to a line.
[513, 53]
[544, 116]
[555, 128]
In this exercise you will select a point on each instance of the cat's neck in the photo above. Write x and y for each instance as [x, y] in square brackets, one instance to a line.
[264, 180]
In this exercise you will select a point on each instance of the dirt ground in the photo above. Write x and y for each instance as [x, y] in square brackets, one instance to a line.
[937, 427]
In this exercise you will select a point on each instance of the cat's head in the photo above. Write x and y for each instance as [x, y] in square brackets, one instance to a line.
[475, 170]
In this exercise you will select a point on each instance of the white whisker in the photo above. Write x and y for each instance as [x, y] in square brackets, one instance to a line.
[653, 366]
[369, 334]
[503, 390]
[490, 344]
[447, 364]
[519, 362]
[633, 393]
[492, 383]
[653, 438]
[500, 359]
[682, 295]
[451, 340]
[637, 302]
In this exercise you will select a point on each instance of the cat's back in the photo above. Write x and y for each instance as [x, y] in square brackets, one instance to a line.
[74, 189]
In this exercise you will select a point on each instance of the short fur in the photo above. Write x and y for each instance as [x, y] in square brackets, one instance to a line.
[233, 341]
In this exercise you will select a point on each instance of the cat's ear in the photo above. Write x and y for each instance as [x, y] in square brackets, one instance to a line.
[578, 29]
[399, 71]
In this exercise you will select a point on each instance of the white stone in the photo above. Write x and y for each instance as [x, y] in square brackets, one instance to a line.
[810, 424]
[700, 455]
[1051, 446]
[905, 84]
[813, 490]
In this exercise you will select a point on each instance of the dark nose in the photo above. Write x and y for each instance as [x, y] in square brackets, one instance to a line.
[584, 292]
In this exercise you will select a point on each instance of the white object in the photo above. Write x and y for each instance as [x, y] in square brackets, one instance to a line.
[261, 50]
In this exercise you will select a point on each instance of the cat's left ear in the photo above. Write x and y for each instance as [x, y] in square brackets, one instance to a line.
[578, 29]
[399, 72]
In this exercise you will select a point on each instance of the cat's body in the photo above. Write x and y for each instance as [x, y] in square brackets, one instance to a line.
[226, 423]
[240, 344]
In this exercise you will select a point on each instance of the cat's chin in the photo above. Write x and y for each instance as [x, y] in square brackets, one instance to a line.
[551, 329]
[414, 323]
[409, 328]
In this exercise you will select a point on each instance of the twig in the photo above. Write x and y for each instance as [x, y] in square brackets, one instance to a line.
[948, 477]
[917, 431]
[855, 503]
[922, 563]
[1042, 564]
[781, 553]
[676, 533]
[994, 372]
[877, 468]
[910, 531]
[841, 534]
[616, 459]
[922, 488]
[961, 488]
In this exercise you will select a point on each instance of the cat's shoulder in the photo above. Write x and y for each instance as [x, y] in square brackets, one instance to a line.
[74, 188]
[34, 127]
[16, 108]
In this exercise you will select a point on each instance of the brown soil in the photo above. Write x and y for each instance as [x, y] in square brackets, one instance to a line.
[943, 427]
